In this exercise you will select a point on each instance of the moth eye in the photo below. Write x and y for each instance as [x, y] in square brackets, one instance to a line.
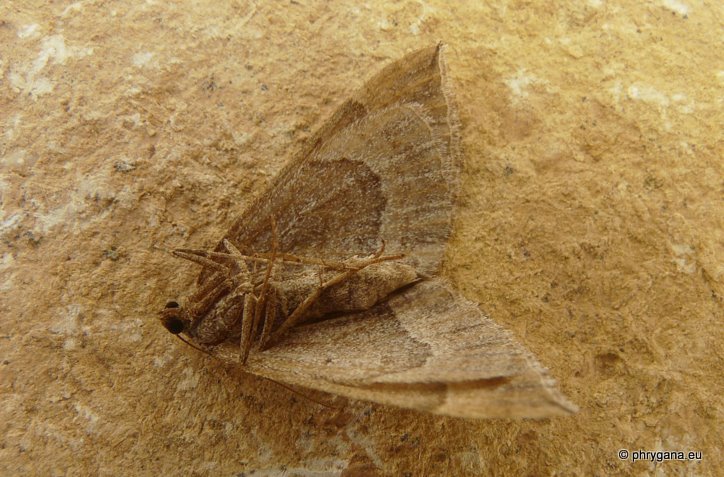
[174, 325]
[172, 304]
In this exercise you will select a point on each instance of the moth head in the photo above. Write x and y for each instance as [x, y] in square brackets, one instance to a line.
[174, 318]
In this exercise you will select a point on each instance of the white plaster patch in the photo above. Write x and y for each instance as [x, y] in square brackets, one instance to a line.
[132, 91]
[651, 96]
[54, 48]
[312, 468]
[153, 220]
[469, 460]
[14, 159]
[683, 103]
[415, 26]
[520, 83]
[683, 260]
[647, 94]
[6, 263]
[241, 138]
[680, 249]
[134, 118]
[189, 380]
[28, 31]
[213, 31]
[72, 8]
[67, 324]
[90, 187]
[252, 33]
[86, 413]
[27, 79]
[68, 321]
[29, 85]
[128, 329]
[142, 59]
[571, 47]
[616, 91]
[60, 215]
[10, 223]
[686, 148]
[206, 468]
[18, 159]
[367, 445]
[95, 186]
[126, 198]
[676, 6]
[160, 361]
[384, 24]
[12, 127]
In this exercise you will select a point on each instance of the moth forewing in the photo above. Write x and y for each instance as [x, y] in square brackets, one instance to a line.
[425, 348]
[383, 170]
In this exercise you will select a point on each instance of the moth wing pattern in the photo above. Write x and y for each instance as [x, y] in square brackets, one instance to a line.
[426, 348]
[384, 167]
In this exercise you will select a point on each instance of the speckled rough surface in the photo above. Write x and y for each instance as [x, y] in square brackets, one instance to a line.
[591, 225]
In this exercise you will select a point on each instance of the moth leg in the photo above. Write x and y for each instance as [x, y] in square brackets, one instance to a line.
[235, 254]
[244, 277]
[203, 300]
[299, 260]
[354, 266]
[269, 269]
[269, 316]
[270, 301]
[330, 264]
[247, 327]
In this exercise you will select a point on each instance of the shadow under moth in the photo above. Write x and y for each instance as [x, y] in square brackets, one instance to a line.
[330, 279]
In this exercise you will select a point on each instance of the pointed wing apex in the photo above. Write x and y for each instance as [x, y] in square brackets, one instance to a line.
[427, 348]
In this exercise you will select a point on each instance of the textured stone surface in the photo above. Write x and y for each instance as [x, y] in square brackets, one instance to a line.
[590, 225]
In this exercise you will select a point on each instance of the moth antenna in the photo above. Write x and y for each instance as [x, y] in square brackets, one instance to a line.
[288, 388]
[162, 249]
[233, 249]
[197, 348]
[197, 256]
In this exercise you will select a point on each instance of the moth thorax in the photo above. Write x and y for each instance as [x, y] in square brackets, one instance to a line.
[221, 322]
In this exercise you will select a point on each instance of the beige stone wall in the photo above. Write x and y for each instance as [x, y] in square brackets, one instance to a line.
[590, 224]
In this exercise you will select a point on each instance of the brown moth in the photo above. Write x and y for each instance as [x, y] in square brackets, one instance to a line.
[330, 278]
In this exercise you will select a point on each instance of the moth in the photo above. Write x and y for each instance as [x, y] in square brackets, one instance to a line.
[330, 279]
